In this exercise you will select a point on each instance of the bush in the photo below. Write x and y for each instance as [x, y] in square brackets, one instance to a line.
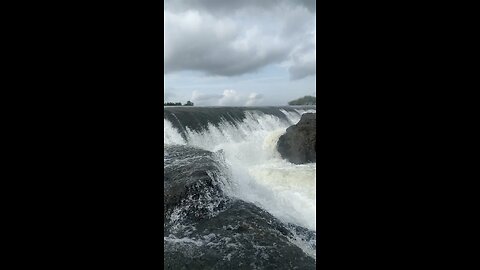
[172, 104]
[306, 100]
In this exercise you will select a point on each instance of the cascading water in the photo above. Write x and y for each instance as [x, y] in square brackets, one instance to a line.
[257, 174]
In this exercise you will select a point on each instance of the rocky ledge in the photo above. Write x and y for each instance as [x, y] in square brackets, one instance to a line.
[298, 144]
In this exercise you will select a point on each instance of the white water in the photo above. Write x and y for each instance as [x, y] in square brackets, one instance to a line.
[260, 175]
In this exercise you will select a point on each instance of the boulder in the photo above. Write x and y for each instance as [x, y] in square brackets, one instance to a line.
[191, 182]
[298, 144]
[206, 229]
[243, 236]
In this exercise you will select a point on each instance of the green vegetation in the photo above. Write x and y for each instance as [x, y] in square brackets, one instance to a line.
[172, 104]
[189, 103]
[306, 100]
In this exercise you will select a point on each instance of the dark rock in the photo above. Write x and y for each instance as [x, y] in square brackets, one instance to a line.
[298, 144]
[241, 237]
[190, 182]
[205, 229]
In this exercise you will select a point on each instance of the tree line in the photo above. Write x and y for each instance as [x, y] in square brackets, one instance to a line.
[189, 103]
[306, 100]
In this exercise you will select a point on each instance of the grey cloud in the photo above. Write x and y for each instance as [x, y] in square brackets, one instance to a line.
[218, 46]
[229, 6]
[304, 62]
[309, 4]
[206, 36]
[300, 71]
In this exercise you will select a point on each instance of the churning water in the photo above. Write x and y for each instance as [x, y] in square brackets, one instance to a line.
[232, 152]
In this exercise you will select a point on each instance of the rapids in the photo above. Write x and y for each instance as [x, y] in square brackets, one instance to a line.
[243, 141]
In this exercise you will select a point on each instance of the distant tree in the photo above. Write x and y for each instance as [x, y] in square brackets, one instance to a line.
[172, 104]
[306, 100]
[189, 103]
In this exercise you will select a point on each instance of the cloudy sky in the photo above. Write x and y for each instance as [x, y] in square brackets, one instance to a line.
[239, 52]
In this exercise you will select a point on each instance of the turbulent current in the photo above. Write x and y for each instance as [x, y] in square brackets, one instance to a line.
[230, 200]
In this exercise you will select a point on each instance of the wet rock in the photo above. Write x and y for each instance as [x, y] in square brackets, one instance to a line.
[298, 144]
[191, 181]
[241, 237]
[205, 229]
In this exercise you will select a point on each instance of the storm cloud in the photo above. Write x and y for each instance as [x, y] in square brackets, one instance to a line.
[232, 38]
[229, 6]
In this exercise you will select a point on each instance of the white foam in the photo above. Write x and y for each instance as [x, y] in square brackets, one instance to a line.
[170, 134]
[306, 246]
[185, 240]
[259, 175]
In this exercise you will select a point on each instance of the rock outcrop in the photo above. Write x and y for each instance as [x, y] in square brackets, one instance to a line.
[206, 229]
[298, 144]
